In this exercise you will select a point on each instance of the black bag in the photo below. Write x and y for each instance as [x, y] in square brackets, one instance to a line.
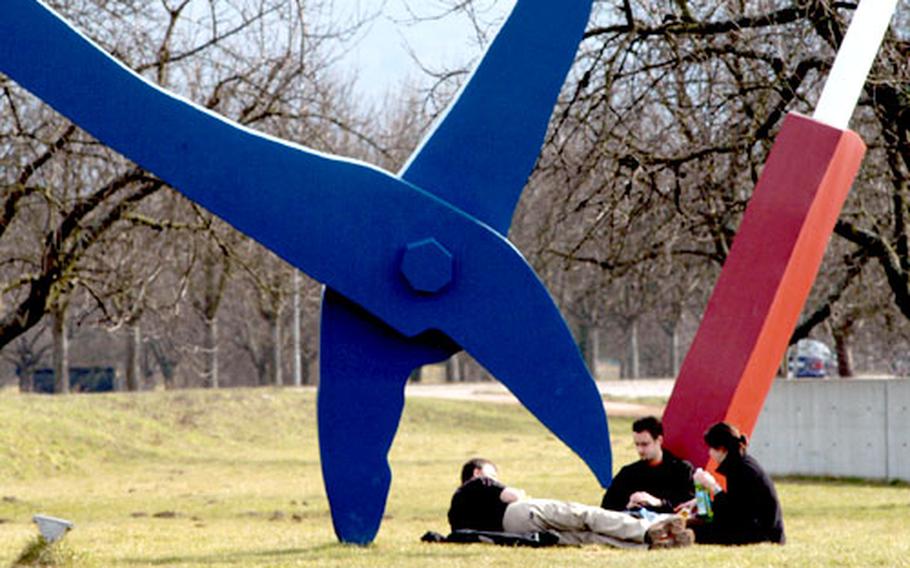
[468, 536]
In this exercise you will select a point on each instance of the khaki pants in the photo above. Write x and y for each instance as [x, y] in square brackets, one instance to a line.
[576, 523]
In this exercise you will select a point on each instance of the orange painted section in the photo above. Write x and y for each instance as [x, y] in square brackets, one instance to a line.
[764, 283]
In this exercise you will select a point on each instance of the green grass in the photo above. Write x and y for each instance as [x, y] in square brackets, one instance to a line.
[231, 478]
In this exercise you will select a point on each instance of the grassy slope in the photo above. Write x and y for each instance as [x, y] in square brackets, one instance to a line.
[231, 478]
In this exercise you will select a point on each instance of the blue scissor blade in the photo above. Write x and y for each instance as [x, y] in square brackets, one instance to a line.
[498, 310]
[514, 329]
[297, 202]
[480, 154]
[364, 365]
[343, 223]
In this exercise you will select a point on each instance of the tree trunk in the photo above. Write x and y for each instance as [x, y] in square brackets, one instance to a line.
[210, 372]
[26, 379]
[841, 336]
[298, 347]
[592, 349]
[262, 372]
[133, 340]
[453, 369]
[674, 350]
[214, 282]
[61, 352]
[167, 365]
[634, 359]
[277, 378]
[167, 374]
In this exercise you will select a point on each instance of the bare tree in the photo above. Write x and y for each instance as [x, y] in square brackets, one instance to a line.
[269, 282]
[72, 214]
[26, 355]
[662, 133]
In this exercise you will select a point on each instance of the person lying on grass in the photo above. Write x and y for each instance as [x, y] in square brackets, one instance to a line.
[483, 503]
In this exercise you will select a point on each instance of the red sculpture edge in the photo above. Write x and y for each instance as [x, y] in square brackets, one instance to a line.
[764, 283]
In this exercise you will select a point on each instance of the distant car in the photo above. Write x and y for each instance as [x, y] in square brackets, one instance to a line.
[811, 359]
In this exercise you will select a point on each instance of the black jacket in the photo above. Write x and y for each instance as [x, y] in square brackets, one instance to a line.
[670, 481]
[476, 505]
[748, 511]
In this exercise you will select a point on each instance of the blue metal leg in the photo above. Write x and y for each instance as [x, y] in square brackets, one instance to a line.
[364, 365]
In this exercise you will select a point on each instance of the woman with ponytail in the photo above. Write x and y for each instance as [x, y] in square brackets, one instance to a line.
[748, 511]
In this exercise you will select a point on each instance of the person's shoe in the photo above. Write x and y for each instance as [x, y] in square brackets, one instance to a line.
[669, 533]
[686, 537]
[666, 527]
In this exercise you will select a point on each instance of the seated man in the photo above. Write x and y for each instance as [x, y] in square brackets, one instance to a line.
[659, 481]
[483, 503]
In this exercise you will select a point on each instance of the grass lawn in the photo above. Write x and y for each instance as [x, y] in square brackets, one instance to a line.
[231, 478]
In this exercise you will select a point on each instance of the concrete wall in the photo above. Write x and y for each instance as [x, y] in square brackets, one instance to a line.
[849, 428]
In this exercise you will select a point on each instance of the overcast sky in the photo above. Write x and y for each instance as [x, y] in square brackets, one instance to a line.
[381, 61]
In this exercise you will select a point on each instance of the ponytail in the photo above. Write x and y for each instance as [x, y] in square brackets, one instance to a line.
[726, 436]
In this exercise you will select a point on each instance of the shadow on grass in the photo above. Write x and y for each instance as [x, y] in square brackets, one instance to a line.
[325, 551]
[242, 558]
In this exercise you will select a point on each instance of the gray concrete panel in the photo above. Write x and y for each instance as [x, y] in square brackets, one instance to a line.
[898, 430]
[845, 428]
[773, 443]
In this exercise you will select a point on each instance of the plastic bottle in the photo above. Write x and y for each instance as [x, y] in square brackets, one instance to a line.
[703, 508]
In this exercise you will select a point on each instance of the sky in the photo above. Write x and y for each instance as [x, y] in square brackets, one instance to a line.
[380, 59]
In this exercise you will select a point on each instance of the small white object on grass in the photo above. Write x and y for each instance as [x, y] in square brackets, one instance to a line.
[52, 528]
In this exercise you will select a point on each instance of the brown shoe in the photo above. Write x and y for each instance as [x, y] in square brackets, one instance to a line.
[684, 538]
[669, 533]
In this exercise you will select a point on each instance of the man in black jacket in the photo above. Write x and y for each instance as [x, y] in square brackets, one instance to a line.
[659, 481]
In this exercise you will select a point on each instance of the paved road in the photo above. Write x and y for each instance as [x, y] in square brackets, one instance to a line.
[626, 391]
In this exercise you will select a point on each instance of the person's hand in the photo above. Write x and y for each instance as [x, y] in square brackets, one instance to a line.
[643, 499]
[512, 494]
[688, 506]
[705, 479]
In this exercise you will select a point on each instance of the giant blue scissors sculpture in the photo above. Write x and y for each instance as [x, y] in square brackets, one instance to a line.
[416, 265]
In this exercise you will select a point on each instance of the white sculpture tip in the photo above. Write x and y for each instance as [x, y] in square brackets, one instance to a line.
[853, 61]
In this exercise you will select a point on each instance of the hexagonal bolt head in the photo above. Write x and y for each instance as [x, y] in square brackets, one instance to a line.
[427, 266]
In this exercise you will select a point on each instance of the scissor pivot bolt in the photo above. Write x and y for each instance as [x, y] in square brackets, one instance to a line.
[427, 266]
